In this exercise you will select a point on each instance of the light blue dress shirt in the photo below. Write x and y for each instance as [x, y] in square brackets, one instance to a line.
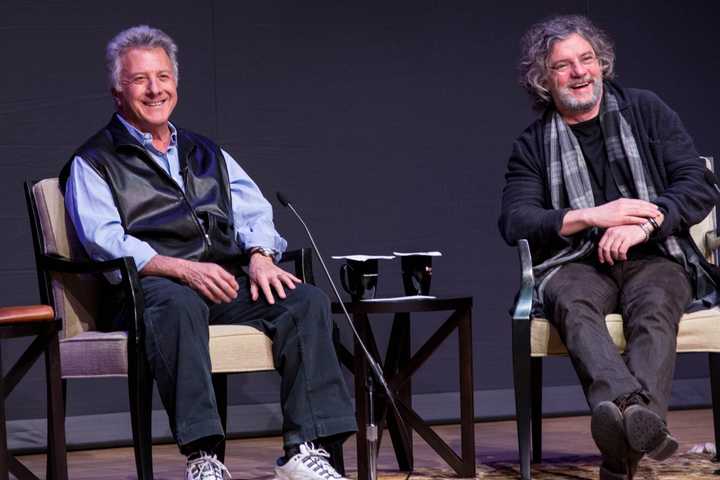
[91, 208]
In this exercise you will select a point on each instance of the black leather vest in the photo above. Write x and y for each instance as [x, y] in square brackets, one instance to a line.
[196, 224]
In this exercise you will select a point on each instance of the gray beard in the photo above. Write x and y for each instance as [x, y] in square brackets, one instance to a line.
[570, 104]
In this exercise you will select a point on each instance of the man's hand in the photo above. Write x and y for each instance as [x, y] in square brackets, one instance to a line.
[265, 274]
[616, 242]
[623, 211]
[209, 279]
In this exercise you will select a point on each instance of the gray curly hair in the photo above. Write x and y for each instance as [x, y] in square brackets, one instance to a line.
[141, 36]
[537, 44]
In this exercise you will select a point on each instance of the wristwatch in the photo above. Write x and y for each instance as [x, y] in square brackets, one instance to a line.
[265, 252]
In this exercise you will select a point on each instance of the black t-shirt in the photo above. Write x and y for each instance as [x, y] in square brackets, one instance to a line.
[592, 143]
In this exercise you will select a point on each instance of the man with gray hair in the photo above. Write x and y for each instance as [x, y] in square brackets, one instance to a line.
[604, 186]
[187, 213]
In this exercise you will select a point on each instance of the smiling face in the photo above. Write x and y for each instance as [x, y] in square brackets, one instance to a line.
[575, 79]
[148, 89]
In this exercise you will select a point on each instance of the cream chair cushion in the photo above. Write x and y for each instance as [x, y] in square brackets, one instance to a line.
[698, 332]
[239, 348]
[233, 349]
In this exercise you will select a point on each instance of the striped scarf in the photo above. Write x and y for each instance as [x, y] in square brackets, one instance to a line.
[568, 175]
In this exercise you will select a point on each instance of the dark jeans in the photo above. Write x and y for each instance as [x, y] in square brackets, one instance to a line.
[651, 294]
[314, 398]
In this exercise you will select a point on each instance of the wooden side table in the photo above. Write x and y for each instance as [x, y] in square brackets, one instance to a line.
[38, 320]
[399, 366]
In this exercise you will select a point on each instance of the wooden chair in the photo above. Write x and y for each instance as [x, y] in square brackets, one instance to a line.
[40, 321]
[534, 338]
[70, 282]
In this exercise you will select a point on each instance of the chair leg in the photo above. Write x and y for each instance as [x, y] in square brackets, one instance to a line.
[714, 359]
[140, 390]
[521, 374]
[220, 386]
[63, 383]
[57, 454]
[4, 459]
[536, 374]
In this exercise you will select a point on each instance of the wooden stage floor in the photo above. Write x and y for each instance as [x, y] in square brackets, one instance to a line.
[566, 440]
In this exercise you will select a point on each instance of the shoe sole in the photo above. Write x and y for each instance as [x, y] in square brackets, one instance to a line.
[666, 449]
[646, 433]
[607, 428]
[606, 474]
[279, 475]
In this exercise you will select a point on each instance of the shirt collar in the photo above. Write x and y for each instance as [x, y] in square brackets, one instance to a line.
[146, 138]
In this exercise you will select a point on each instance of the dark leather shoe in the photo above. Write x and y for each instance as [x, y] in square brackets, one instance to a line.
[615, 469]
[607, 473]
[608, 430]
[647, 433]
[633, 461]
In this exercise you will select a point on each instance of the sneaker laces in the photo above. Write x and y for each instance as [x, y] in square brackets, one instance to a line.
[207, 467]
[316, 460]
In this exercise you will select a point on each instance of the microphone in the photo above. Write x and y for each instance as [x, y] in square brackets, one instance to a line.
[286, 203]
[374, 366]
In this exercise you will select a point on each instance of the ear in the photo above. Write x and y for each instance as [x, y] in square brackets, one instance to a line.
[116, 97]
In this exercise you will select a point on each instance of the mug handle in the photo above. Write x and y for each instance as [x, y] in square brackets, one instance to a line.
[343, 278]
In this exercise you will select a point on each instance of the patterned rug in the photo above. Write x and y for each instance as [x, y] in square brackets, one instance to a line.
[691, 466]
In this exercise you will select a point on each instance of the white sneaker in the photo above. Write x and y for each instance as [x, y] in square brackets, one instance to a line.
[206, 467]
[310, 464]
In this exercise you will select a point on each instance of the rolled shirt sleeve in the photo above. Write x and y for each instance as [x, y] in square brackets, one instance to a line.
[91, 208]
[252, 213]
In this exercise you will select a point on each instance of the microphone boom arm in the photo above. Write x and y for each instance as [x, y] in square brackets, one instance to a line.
[374, 366]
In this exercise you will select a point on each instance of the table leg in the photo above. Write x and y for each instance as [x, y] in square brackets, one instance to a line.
[361, 400]
[400, 340]
[467, 403]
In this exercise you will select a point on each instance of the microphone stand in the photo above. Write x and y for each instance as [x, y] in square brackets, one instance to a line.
[371, 431]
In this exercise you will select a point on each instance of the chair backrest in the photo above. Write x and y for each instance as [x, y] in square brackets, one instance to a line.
[708, 224]
[74, 297]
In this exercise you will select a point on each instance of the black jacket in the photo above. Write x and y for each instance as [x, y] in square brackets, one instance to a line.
[666, 148]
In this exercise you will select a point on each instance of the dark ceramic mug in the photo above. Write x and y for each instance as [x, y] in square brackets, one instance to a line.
[416, 274]
[359, 278]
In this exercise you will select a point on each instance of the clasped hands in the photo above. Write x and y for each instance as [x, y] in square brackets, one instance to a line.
[621, 220]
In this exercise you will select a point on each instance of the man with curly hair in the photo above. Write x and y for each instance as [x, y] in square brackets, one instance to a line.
[605, 186]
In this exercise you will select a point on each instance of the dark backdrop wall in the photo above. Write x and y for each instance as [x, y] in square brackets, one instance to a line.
[387, 123]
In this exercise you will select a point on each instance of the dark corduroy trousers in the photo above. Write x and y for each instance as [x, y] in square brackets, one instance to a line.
[651, 294]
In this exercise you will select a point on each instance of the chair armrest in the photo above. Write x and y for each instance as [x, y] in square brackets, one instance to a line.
[58, 263]
[302, 262]
[130, 282]
[524, 301]
[712, 241]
